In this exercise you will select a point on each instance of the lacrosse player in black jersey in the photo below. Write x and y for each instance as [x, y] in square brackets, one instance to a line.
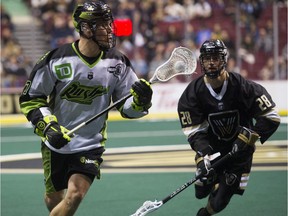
[68, 86]
[221, 112]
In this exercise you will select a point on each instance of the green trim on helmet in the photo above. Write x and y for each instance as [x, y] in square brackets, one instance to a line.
[91, 11]
[87, 16]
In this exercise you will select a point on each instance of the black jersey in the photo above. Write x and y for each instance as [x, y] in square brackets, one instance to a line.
[217, 115]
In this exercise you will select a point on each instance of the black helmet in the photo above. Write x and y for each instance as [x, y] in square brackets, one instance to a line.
[213, 47]
[91, 12]
[94, 14]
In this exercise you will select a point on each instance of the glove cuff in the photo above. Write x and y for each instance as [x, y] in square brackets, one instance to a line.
[248, 136]
[198, 159]
[140, 108]
[44, 124]
[205, 151]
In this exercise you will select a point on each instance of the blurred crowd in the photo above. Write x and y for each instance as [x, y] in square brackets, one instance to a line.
[14, 66]
[158, 27]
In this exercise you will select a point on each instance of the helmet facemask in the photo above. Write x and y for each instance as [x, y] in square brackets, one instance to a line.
[102, 33]
[94, 20]
[213, 58]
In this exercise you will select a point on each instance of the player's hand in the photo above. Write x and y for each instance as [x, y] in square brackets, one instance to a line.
[203, 166]
[142, 94]
[245, 140]
[55, 134]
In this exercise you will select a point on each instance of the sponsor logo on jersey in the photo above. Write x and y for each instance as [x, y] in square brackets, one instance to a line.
[85, 160]
[78, 93]
[116, 70]
[63, 71]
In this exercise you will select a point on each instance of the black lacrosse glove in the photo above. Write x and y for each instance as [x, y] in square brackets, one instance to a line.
[245, 140]
[49, 129]
[203, 166]
[142, 95]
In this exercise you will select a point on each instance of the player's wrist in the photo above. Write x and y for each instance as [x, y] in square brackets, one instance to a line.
[44, 124]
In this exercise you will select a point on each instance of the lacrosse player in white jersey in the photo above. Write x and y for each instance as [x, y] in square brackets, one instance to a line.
[69, 85]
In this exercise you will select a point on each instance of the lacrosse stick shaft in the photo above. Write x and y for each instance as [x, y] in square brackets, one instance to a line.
[102, 112]
[192, 181]
[185, 58]
[99, 114]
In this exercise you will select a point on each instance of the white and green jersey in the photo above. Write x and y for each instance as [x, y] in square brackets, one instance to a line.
[63, 84]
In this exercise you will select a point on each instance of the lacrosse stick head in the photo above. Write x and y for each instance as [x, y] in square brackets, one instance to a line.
[181, 62]
[147, 207]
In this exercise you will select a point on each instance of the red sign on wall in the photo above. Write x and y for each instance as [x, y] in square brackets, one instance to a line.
[123, 27]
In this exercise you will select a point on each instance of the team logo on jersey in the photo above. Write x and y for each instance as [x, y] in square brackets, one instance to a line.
[90, 75]
[230, 178]
[63, 71]
[224, 124]
[116, 70]
[220, 106]
[78, 93]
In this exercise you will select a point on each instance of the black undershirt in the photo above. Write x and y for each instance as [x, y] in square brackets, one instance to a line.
[218, 90]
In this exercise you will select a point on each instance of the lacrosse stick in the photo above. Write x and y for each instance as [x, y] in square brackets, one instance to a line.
[150, 206]
[181, 62]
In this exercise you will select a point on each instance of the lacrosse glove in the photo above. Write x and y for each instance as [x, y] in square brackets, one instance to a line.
[204, 172]
[142, 95]
[203, 166]
[245, 140]
[49, 129]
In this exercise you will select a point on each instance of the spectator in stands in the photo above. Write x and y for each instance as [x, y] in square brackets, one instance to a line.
[217, 32]
[248, 43]
[190, 32]
[125, 9]
[14, 64]
[203, 34]
[140, 65]
[61, 32]
[244, 73]
[203, 9]
[253, 30]
[174, 34]
[230, 8]
[267, 72]
[173, 11]
[252, 9]
[14, 71]
[5, 20]
[283, 63]
[191, 10]
[231, 64]
[264, 43]
[230, 44]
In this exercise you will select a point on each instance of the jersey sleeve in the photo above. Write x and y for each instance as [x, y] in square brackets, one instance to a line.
[193, 121]
[124, 85]
[33, 99]
[262, 108]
